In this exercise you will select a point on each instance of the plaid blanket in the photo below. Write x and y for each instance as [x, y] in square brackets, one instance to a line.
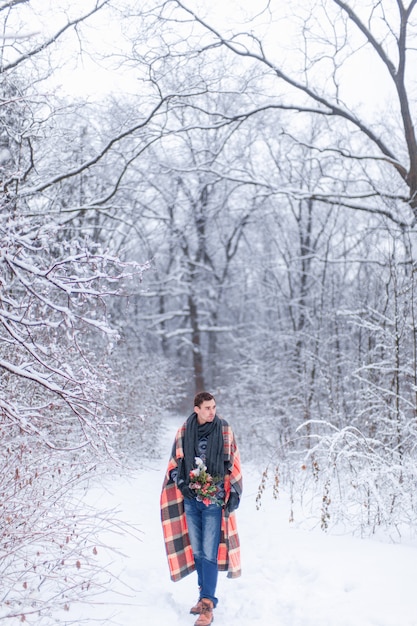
[174, 523]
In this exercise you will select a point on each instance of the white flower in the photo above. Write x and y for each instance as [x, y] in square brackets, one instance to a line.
[200, 465]
[195, 473]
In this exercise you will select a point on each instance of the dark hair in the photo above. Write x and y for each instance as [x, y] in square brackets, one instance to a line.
[203, 396]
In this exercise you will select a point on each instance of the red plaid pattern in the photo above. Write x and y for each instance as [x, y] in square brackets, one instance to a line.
[174, 523]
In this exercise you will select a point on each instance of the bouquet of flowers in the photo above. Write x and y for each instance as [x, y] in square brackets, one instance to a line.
[204, 484]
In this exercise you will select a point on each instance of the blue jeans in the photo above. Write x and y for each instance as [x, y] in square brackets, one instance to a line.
[204, 526]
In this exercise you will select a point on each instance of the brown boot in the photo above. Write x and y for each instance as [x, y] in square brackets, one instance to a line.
[206, 615]
[196, 610]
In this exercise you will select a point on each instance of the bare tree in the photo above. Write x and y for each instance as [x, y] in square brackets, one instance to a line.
[56, 285]
[311, 81]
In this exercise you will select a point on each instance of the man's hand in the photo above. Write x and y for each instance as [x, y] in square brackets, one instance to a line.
[186, 491]
[233, 502]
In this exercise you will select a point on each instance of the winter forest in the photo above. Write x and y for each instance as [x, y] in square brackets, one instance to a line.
[204, 195]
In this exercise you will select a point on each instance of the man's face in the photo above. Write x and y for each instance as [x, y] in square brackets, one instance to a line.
[206, 412]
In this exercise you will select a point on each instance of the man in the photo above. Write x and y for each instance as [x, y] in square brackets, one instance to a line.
[201, 491]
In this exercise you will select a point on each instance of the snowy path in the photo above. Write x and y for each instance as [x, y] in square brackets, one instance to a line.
[290, 577]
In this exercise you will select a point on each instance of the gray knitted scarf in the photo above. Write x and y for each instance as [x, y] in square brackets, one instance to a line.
[214, 455]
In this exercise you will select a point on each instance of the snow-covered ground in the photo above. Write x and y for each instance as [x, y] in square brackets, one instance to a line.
[291, 577]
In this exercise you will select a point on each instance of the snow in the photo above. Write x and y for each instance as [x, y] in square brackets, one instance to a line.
[291, 576]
